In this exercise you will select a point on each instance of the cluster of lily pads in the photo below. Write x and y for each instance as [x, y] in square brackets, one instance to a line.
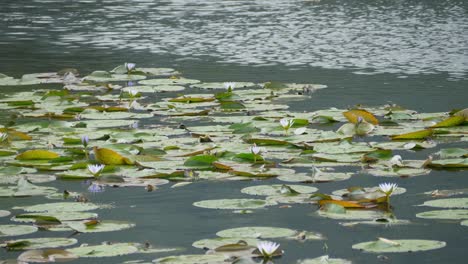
[146, 127]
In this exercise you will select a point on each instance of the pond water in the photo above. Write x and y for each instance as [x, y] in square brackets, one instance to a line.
[371, 53]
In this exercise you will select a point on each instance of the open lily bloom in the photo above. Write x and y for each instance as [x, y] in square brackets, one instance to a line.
[132, 92]
[96, 169]
[255, 149]
[130, 66]
[267, 248]
[388, 188]
[229, 85]
[286, 123]
[85, 140]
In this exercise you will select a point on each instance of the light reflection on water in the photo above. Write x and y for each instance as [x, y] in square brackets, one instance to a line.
[404, 37]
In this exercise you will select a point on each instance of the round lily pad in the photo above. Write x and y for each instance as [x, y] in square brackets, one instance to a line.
[320, 177]
[61, 207]
[61, 216]
[277, 189]
[444, 214]
[448, 203]
[213, 243]
[234, 204]
[46, 255]
[257, 232]
[100, 226]
[16, 230]
[192, 259]
[352, 215]
[37, 243]
[464, 223]
[105, 250]
[399, 245]
[4, 213]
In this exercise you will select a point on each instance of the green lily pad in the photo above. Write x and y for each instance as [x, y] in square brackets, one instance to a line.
[16, 230]
[455, 214]
[105, 250]
[319, 177]
[449, 163]
[58, 215]
[38, 243]
[257, 232]
[192, 259]
[169, 81]
[100, 226]
[464, 223]
[233, 204]
[399, 245]
[46, 255]
[213, 243]
[59, 207]
[350, 214]
[276, 189]
[448, 203]
[4, 213]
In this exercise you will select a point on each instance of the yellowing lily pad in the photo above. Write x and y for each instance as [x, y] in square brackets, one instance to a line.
[399, 245]
[37, 154]
[110, 157]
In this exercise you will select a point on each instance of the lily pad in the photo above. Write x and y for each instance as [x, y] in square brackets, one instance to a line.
[399, 245]
[213, 243]
[16, 230]
[233, 204]
[38, 243]
[4, 213]
[46, 255]
[105, 250]
[257, 232]
[277, 189]
[455, 214]
[192, 259]
[99, 226]
[448, 203]
[324, 260]
[59, 207]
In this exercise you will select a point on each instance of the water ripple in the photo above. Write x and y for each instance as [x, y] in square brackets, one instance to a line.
[405, 37]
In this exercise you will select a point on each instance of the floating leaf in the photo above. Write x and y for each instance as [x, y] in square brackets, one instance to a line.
[201, 161]
[234, 204]
[420, 134]
[449, 163]
[213, 243]
[37, 243]
[110, 157]
[262, 232]
[448, 203]
[449, 122]
[46, 255]
[59, 207]
[4, 213]
[353, 116]
[324, 260]
[54, 216]
[105, 250]
[37, 154]
[16, 230]
[192, 259]
[455, 214]
[99, 226]
[277, 189]
[399, 245]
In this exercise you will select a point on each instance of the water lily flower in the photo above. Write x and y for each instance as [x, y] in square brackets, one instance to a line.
[95, 188]
[96, 169]
[286, 124]
[132, 93]
[387, 189]
[134, 125]
[130, 66]
[85, 140]
[255, 149]
[3, 137]
[267, 248]
[229, 85]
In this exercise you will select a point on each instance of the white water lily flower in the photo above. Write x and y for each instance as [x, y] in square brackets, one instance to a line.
[267, 248]
[229, 85]
[396, 160]
[130, 66]
[388, 188]
[132, 92]
[286, 123]
[95, 169]
[255, 149]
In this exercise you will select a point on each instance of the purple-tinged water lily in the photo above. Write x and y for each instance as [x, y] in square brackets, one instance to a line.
[85, 140]
[130, 66]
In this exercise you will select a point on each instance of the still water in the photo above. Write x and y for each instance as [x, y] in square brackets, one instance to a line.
[411, 53]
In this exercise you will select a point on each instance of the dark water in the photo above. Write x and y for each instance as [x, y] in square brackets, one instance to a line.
[412, 53]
